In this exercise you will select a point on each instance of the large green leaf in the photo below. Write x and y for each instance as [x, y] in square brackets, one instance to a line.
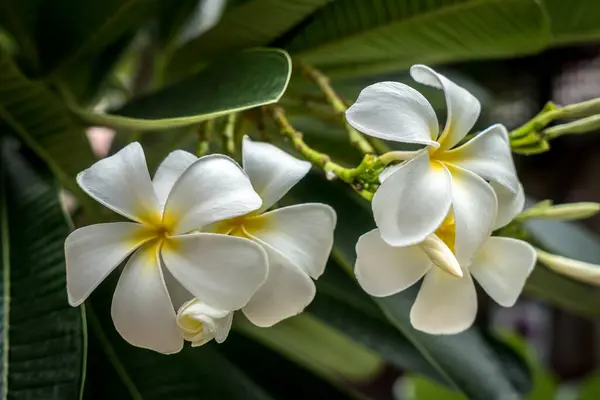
[251, 23]
[574, 21]
[245, 80]
[471, 362]
[43, 122]
[367, 36]
[43, 339]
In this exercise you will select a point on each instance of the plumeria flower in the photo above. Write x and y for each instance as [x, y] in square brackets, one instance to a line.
[297, 239]
[416, 195]
[447, 301]
[224, 271]
[200, 323]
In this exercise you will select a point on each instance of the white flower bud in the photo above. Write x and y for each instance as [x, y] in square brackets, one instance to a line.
[199, 322]
[439, 254]
[579, 270]
[564, 212]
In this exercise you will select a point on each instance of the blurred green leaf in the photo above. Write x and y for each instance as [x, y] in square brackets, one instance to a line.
[248, 24]
[350, 37]
[570, 240]
[470, 362]
[245, 80]
[43, 123]
[574, 21]
[590, 388]
[43, 339]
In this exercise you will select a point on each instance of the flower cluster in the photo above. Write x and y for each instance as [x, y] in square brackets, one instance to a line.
[435, 211]
[201, 234]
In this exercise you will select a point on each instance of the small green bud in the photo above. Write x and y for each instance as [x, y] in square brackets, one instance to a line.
[579, 270]
[564, 212]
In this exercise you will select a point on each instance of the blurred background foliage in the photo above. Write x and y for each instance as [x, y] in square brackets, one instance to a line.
[81, 79]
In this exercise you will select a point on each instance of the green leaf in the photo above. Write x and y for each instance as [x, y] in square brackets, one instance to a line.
[472, 363]
[573, 22]
[570, 240]
[350, 37]
[246, 80]
[249, 24]
[43, 339]
[590, 388]
[43, 123]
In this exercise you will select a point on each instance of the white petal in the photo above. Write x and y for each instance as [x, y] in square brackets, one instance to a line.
[141, 307]
[223, 327]
[394, 111]
[122, 183]
[488, 155]
[179, 295]
[272, 171]
[502, 266]
[212, 189]
[287, 292]
[445, 304]
[302, 233]
[382, 270]
[223, 271]
[169, 171]
[92, 252]
[510, 204]
[475, 205]
[463, 107]
[412, 202]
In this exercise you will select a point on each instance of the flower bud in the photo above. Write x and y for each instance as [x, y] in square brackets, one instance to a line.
[565, 212]
[441, 255]
[199, 322]
[579, 270]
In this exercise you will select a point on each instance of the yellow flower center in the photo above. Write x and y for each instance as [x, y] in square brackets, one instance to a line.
[447, 231]
[243, 226]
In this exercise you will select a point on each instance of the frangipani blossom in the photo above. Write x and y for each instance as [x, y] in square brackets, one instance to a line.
[297, 239]
[416, 196]
[446, 303]
[224, 271]
[200, 323]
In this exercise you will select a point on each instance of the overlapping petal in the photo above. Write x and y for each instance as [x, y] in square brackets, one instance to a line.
[509, 204]
[223, 271]
[122, 183]
[394, 111]
[463, 107]
[92, 252]
[302, 233]
[169, 171]
[475, 206]
[413, 201]
[502, 266]
[271, 170]
[445, 304]
[213, 188]
[286, 292]
[383, 270]
[141, 308]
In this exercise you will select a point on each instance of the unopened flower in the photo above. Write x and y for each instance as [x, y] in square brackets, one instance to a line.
[416, 195]
[575, 269]
[200, 323]
[447, 301]
[297, 239]
[224, 271]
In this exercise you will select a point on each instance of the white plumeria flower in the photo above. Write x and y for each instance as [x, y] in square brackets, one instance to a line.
[200, 323]
[446, 303]
[297, 239]
[415, 196]
[224, 271]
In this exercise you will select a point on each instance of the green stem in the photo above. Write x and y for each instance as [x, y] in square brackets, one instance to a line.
[228, 134]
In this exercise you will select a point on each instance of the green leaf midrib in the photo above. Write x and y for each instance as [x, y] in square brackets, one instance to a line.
[6, 283]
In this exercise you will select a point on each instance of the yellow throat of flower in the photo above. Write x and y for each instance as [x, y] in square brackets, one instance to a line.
[439, 247]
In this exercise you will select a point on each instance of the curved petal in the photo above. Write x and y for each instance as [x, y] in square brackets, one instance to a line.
[303, 234]
[223, 271]
[122, 183]
[502, 266]
[488, 155]
[412, 202]
[141, 308]
[286, 292]
[510, 204]
[383, 270]
[92, 252]
[212, 189]
[445, 304]
[463, 107]
[475, 206]
[223, 327]
[394, 111]
[169, 171]
[179, 295]
[271, 170]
